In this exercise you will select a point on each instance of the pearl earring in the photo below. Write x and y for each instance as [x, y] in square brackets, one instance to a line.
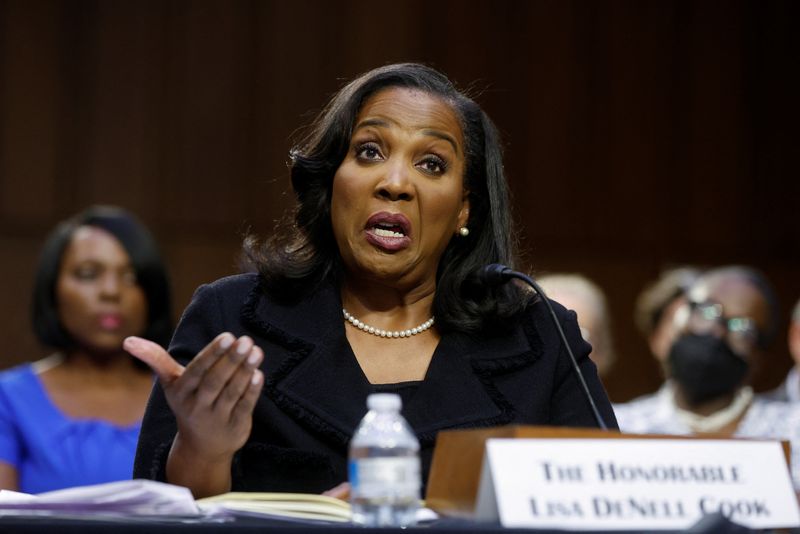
[464, 231]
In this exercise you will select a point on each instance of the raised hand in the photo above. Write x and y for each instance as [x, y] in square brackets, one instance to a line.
[212, 399]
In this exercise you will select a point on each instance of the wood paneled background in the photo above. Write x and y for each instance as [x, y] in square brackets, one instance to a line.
[639, 133]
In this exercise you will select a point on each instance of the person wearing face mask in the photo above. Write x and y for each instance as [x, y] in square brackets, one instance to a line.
[728, 320]
[73, 418]
[373, 285]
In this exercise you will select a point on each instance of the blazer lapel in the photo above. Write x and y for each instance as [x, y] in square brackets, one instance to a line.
[309, 369]
[459, 391]
[312, 374]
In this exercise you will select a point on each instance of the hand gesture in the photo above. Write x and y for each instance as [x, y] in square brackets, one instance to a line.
[212, 397]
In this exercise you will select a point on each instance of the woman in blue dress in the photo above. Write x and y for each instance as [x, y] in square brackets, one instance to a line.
[73, 418]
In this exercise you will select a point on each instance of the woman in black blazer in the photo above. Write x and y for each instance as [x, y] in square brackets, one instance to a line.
[372, 285]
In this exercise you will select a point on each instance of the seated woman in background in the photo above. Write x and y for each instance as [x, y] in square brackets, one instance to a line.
[374, 286]
[73, 418]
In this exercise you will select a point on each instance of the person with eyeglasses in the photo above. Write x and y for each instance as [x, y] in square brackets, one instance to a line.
[729, 319]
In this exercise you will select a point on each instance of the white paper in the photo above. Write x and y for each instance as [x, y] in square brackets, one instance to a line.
[126, 497]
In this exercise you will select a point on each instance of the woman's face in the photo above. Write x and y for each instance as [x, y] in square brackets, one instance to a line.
[398, 196]
[99, 300]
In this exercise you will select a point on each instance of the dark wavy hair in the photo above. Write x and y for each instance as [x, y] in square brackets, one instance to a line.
[151, 274]
[302, 253]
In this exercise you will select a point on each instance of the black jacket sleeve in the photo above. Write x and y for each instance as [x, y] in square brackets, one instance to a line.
[570, 404]
[199, 325]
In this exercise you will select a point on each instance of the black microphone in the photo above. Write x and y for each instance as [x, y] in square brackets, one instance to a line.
[496, 274]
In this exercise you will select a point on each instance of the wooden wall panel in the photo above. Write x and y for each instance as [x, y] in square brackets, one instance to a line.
[638, 134]
[30, 98]
[122, 158]
[19, 258]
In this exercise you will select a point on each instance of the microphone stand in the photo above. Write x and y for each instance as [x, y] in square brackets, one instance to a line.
[496, 273]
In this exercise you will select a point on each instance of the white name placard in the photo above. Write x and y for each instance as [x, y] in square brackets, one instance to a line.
[619, 484]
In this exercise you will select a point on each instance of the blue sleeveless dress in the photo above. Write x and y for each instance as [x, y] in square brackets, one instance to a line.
[51, 451]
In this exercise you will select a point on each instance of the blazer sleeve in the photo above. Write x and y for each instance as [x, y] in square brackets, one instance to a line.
[200, 324]
[570, 405]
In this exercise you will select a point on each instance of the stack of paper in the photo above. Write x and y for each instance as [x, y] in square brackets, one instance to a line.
[147, 500]
[298, 506]
[288, 506]
[127, 497]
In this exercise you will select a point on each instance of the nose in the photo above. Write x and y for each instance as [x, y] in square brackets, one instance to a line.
[110, 285]
[395, 184]
[714, 328]
[718, 329]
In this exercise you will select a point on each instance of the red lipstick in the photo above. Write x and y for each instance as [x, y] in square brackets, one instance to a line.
[109, 321]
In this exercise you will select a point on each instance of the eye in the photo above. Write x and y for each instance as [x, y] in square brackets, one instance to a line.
[128, 277]
[433, 164]
[369, 151]
[86, 272]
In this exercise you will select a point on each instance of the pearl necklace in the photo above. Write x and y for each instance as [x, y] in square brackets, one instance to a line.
[386, 333]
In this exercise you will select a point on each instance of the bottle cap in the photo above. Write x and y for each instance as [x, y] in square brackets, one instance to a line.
[384, 402]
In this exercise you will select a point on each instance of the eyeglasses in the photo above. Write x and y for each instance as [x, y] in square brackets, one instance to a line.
[741, 332]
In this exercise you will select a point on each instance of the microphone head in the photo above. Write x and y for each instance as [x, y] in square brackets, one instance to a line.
[494, 274]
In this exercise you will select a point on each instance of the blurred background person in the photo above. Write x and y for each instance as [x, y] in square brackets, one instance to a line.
[578, 293]
[655, 308]
[730, 317]
[789, 390]
[655, 314]
[73, 418]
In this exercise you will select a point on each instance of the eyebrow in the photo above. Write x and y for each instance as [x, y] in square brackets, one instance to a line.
[443, 136]
[383, 123]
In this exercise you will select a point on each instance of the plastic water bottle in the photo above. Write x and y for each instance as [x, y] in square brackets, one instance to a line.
[384, 467]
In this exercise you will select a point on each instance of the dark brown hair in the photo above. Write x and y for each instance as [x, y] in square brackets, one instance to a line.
[302, 253]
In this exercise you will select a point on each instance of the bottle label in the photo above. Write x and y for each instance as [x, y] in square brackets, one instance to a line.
[371, 477]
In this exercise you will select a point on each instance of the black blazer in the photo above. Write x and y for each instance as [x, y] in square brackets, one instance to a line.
[315, 392]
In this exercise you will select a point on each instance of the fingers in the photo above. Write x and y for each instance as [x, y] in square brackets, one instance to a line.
[217, 389]
[244, 408]
[342, 491]
[223, 360]
[198, 368]
[241, 379]
[155, 356]
[217, 379]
